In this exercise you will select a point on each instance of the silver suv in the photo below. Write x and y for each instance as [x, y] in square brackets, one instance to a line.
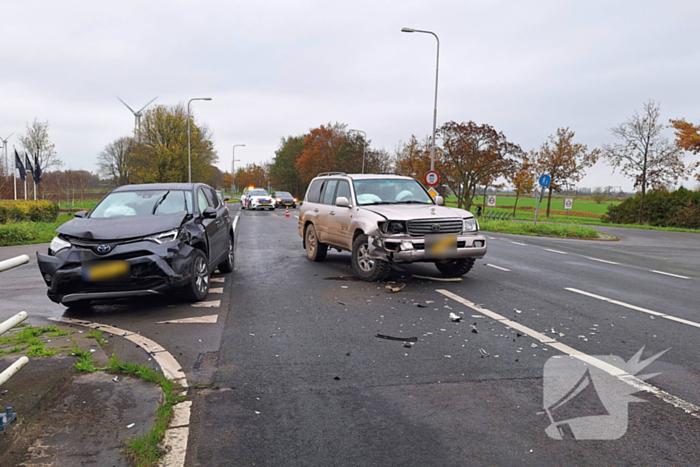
[383, 219]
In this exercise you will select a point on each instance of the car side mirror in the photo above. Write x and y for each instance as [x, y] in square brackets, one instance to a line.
[439, 200]
[342, 201]
[80, 214]
[209, 213]
[226, 199]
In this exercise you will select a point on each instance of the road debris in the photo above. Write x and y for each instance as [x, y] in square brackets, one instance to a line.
[474, 329]
[483, 353]
[342, 303]
[401, 339]
[533, 345]
[420, 305]
[393, 289]
[128, 426]
[115, 379]
[439, 279]
[455, 318]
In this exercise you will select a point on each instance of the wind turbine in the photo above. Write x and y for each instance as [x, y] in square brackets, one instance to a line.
[7, 162]
[137, 115]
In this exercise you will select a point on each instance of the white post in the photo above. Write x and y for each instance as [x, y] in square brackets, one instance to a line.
[14, 368]
[12, 322]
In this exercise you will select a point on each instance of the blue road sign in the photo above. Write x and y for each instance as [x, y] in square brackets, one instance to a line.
[545, 180]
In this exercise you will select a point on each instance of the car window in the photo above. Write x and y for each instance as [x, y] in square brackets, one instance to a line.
[259, 193]
[329, 193]
[212, 199]
[314, 193]
[390, 191]
[202, 200]
[343, 190]
[140, 204]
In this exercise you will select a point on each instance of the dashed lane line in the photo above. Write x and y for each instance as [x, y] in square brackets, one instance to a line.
[235, 222]
[601, 260]
[175, 440]
[669, 274]
[209, 319]
[635, 307]
[218, 279]
[497, 267]
[638, 384]
[556, 251]
[209, 304]
[518, 243]
[217, 290]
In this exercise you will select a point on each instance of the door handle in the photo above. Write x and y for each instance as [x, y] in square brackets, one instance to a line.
[332, 213]
[316, 210]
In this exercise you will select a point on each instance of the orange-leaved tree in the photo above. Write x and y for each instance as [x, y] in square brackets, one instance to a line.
[413, 158]
[523, 179]
[325, 150]
[687, 137]
[563, 160]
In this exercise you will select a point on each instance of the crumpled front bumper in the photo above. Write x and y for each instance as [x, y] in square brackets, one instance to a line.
[154, 269]
[399, 249]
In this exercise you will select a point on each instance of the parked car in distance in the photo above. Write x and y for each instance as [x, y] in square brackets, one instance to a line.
[385, 219]
[223, 199]
[140, 240]
[257, 198]
[284, 199]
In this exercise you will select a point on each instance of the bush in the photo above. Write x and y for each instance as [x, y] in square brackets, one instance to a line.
[26, 210]
[680, 208]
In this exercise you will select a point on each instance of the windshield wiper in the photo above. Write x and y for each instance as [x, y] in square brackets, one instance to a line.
[158, 203]
[378, 202]
[412, 202]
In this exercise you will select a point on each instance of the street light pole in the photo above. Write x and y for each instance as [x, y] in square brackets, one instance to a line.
[233, 165]
[189, 149]
[7, 161]
[364, 147]
[437, 67]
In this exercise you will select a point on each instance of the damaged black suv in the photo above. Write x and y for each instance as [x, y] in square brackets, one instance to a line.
[141, 240]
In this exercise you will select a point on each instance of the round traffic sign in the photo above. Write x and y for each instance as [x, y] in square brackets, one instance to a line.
[432, 178]
[491, 201]
[568, 203]
[545, 180]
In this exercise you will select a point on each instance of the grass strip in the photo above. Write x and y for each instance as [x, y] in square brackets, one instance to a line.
[145, 450]
[546, 230]
[29, 335]
[27, 233]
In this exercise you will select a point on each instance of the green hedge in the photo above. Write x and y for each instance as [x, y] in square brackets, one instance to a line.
[680, 208]
[26, 210]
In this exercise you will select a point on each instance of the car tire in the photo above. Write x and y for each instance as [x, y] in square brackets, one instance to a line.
[272, 209]
[226, 266]
[369, 270]
[315, 250]
[198, 287]
[455, 267]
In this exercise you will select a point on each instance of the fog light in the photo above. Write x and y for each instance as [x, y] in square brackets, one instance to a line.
[406, 245]
[479, 244]
[47, 277]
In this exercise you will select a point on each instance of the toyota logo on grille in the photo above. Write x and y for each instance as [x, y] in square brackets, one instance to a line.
[104, 249]
[435, 227]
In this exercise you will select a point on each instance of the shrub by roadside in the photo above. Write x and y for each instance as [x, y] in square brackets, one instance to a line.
[680, 208]
[27, 210]
[27, 233]
[546, 230]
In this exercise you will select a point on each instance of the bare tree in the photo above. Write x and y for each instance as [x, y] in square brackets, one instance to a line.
[644, 154]
[599, 196]
[36, 140]
[114, 162]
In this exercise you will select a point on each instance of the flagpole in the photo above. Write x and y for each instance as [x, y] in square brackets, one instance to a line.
[15, 173]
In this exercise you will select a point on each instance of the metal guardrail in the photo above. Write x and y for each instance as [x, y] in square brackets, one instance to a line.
[9, 415]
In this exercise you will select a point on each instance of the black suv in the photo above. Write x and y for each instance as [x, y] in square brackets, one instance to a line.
[141, 240]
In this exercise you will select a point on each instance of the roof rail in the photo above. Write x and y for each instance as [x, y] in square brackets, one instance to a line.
[327, 174]
[389, 173]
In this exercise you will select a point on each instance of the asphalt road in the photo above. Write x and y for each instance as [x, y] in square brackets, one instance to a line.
[299, 378]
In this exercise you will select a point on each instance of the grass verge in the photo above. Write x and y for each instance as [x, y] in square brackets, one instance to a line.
[27, 233]
[28, 338]
[546, 230]
[145, 450]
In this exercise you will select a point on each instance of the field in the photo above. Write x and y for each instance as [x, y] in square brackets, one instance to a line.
[78, 205]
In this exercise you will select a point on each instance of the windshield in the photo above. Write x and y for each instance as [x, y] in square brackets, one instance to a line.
[258, 193]
[283, 194]
[392, 191]
[143, 203]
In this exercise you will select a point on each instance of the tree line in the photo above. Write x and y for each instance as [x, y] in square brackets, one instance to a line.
[472, 157]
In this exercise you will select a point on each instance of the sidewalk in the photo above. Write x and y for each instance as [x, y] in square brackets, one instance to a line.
[67, 418]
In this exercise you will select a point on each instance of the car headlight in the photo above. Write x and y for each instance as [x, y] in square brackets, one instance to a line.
[396, 227]
[470, 225]
[295, 200]
[58, 244]
[164, 237]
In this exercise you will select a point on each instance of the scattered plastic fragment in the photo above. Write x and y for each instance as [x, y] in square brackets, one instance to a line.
[115, 379]
[420, 305]
[455, 318]
[474, 330]
[483, 353]
[477, 316]
[533, 345]
[131, 425]
[401, 339]
[393, 289]
[342, 303]
[440, 279]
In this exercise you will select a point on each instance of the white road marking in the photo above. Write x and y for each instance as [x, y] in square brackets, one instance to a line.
[669, 274]
[235, 222]
[556, 251]
[497, 267]
[297, 217]
[640, 385]
[209, 319]
[216, 290]
[210, 304]
[518, 243]
[601, 260]
[218, 279]
[175, 440]
[491, 238]
[638, 308]
[439, 279]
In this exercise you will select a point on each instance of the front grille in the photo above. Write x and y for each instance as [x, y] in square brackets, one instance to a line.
[428, 226]
[421, 246]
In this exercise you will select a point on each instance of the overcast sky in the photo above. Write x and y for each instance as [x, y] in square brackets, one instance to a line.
[279, 68]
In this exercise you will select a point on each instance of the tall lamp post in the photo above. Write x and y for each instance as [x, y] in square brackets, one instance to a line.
[437, 66]
[189, 149]
[233, 165]
[7, 161]
[364, 147]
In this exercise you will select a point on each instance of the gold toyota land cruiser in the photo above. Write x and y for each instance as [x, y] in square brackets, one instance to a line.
[383, 219]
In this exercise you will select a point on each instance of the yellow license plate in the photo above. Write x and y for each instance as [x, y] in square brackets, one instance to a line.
[440, 246]
[106, 271]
